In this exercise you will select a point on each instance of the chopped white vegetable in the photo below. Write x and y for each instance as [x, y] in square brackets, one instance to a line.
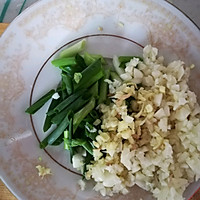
[182, 113]
[158, 99]
[116, 65]
[160, 113]
[77, 161]
[82, 184]
[55, 96]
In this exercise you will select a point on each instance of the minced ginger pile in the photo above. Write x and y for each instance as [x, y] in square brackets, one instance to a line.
[150, 132]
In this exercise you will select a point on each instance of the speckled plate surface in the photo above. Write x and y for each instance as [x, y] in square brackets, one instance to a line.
[27, 43]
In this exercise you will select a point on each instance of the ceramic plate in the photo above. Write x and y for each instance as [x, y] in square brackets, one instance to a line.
[27, 47]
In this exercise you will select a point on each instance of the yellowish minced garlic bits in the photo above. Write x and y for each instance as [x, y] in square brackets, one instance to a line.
[150, 132]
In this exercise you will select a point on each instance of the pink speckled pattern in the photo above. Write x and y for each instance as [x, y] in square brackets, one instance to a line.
[32, 37]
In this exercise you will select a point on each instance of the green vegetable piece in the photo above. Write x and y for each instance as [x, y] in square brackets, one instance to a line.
[90, 58]
[88, 119]
[70, 128]
[68, 101]
[115, 76]
[39, 103]
[90, 75]
[67, 80]
[81, 142]
[66, 134]
[59, 130]
[59, 140]
[77, 77]
[67, 144]
[80, 61]
[94, 114]
[47, 122]
[104, 87]
[44, 142]
[90, 131]
[92, 91]
[125, 58]
[71, 150]
[73, 50]
[97, 56]
[51, 112]
[74, 106]
[56, 133]
[88, 147]
[70, 70]
[63, 90]
[87, 161]
[63, 62]
[66, 138]
[122, 65]
[64, 94]
[81, 114]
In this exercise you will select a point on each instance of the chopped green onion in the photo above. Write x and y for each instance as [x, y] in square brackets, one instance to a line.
[59, 130]
[80, 61]
[90, 131]
[81, 114]
[47, 122]
[97, 56]
[74, 106]
[70, 70]
[90, 75]
[104, 87]
[66, 134]
[73, 50]
[68, 101]
[58, 141]
[63, 62]
[71, 150]
[67, 82]
[115, 76]
[39, 103]
[80, 142]
[90, 58]
[87, 161]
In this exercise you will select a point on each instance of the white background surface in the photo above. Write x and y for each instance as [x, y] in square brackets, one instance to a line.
[189, 7]
[186, 7]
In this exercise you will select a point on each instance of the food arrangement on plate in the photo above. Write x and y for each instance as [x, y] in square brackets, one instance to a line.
[130, 121]
[112, 92]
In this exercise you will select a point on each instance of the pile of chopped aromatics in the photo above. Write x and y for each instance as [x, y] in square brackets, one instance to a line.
[150, 132]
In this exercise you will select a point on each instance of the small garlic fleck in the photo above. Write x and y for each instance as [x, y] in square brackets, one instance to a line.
[192, 66]
[121, 24]
[100, 28]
